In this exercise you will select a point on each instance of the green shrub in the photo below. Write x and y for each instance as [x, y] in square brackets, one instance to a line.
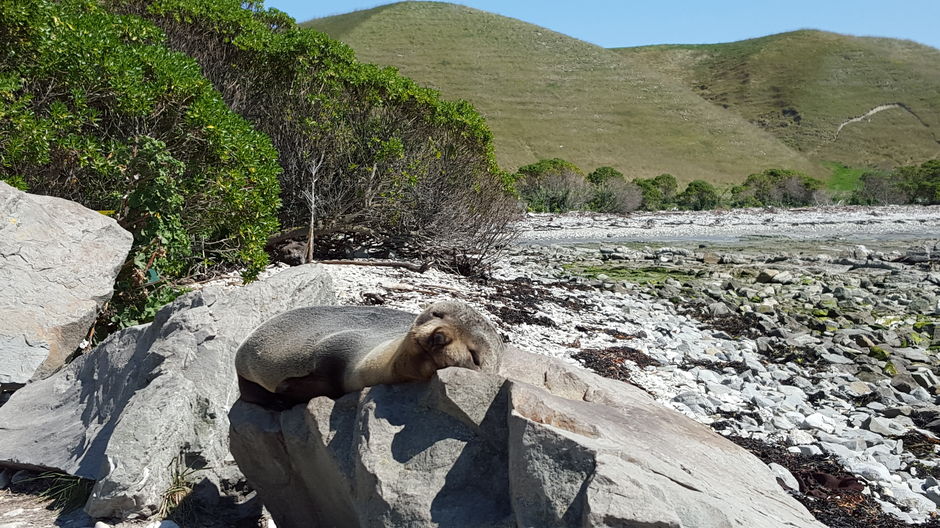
[94, 108]
[777, 187]
[921, 183]
[553, 186]
[615, 196]
[387, 160]
[698, 196]
[659, 192]
[603, 175]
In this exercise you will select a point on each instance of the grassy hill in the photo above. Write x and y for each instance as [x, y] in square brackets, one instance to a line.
[547, 95]
[809, 88]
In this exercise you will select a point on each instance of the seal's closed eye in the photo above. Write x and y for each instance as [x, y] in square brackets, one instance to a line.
[438, 339]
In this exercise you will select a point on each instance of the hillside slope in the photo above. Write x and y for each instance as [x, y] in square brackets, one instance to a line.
[548, 95]
[858, 100]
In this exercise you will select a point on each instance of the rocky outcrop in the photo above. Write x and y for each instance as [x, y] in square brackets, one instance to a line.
[58, 262]
[545, 444]
[124, 413]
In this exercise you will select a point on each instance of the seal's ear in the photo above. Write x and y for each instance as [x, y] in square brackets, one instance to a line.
[432, 312]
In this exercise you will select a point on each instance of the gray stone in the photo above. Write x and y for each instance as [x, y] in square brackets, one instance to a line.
[799, 437]
[718, 308]
[784, 477]
[885, 426]
[933, 493]
[123, 413]
[836, 359]
[819, 422]
[926, 379]
[58, 261]
[858, 388]
[805, 450]
[870, 471]
[552, 446]
[904, 382]
[837, 450]
[767, 275]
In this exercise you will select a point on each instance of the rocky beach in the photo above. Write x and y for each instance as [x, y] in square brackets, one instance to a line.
[815, 331]
[808, 336]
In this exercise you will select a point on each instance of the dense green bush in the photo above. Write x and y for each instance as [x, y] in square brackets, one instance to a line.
[391, 166]
[602, 175]
[779, 188]
[612, 193]
[921, 183]
[698, 195]
[659, 192]
[94, 108]
[553, 186]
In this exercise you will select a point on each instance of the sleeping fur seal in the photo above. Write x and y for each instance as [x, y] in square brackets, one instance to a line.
[333, 350]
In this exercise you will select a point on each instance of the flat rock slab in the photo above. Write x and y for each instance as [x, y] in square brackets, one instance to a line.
[123, 413]
[58, 262]
[543, 444]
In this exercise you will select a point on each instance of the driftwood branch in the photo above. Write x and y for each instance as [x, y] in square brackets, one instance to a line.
[301, 232]
[419, 268]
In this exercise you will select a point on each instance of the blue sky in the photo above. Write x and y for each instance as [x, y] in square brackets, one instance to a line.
[614, 23]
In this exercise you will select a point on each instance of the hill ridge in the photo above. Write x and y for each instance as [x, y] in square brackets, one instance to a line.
[644, 111]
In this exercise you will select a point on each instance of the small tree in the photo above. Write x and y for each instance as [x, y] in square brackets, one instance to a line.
[698, 195]
[616, 196]
[604, 174]
[659, 192]
[922, 184]
[553, 186]
[777, 187]
[879, 188]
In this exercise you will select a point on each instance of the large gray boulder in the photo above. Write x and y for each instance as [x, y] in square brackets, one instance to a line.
[545, 444]
[123, 413]
[58, 262]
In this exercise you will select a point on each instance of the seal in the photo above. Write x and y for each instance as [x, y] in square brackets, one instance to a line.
[333, 350]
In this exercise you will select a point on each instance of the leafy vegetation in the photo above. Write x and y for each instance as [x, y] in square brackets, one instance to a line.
[553, 186]
[698, 195]
[63, 491]
[372, 162]
[658, 192]
[556, 185]
[95, 109]
[918, 184]
[777, 187]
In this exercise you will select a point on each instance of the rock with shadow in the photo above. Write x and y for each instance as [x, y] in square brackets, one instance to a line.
[124, 413]
[541, 444]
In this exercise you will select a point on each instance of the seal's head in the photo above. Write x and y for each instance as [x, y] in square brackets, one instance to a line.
[452, 334]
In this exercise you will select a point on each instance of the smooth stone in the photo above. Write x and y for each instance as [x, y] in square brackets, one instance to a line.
[871, 471]
[784, 477]
[817, 421]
